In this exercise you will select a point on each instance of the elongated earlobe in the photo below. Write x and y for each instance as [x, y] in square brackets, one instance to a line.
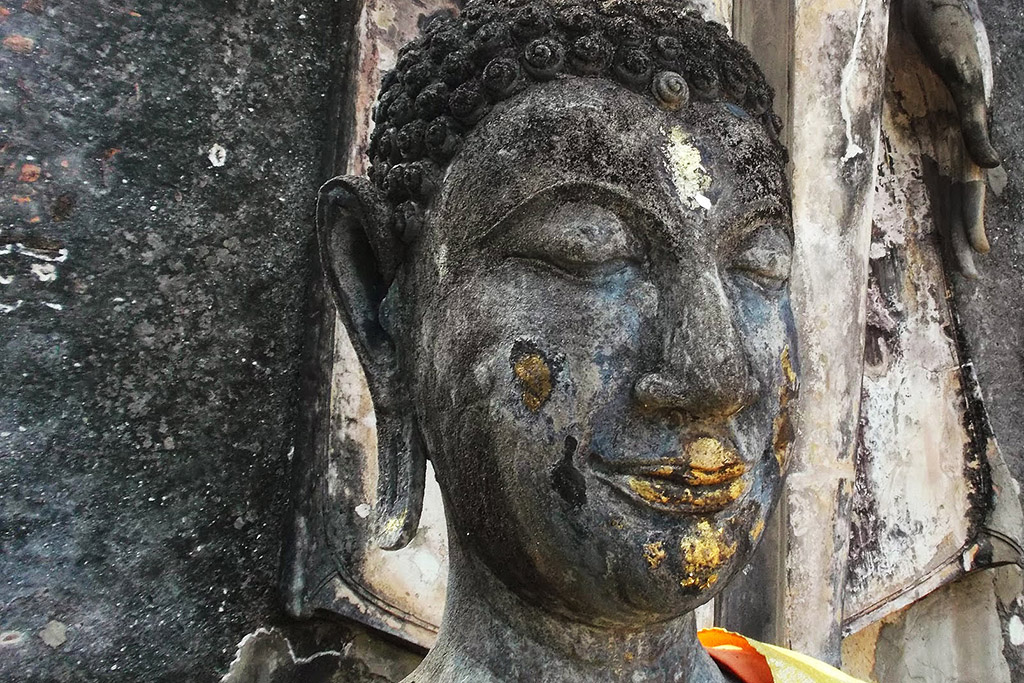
[360, 257]
[402, 467]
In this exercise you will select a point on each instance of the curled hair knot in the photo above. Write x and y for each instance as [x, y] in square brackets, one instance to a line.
[447, 80]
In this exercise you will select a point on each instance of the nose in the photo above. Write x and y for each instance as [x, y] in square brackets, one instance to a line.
[704, 370]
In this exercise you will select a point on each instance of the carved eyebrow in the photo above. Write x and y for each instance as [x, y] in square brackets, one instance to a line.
[751, 216]
[603, 194]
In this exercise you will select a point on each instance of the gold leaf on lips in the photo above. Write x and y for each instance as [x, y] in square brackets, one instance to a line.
[707, 454]
[655, 492]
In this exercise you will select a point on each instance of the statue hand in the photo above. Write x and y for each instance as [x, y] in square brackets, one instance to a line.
[948, 38]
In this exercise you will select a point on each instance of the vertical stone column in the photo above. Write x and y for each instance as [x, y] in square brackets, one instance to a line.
[826, 61]
[836, 78]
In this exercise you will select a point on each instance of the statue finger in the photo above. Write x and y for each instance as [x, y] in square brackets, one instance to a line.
[974, 126]
[973, 210]
[957, 235]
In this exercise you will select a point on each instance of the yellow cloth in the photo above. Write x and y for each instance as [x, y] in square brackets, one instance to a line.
[792, 667]
[754, 662]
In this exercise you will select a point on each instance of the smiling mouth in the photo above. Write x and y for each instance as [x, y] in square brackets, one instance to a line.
[704, 479]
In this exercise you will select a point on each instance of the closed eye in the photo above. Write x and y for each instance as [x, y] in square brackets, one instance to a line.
[764, 257]
[582, 239]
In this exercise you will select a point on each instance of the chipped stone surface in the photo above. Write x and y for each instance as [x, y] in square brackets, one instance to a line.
[54, 634]
[952, 635]
[268, 656]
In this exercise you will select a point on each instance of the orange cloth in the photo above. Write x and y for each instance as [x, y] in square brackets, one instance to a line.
[733, 653]
[754, 662]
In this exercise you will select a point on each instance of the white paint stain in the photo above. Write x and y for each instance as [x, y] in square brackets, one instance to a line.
[38, 254]
[1016, 629]
[689, 176]
[249, 648]
[54, 634]
[429, 566]
[6, 279]
[218, 156]
[7, 308]
[363, 510]
[11, 638]
[849, 72]
[968, 557]
[56, 307]
[442, 262]
[45, 272]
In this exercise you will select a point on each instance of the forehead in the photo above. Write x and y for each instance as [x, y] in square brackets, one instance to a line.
[708, 158]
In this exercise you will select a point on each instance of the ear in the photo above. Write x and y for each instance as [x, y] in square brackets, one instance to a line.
[360, 257]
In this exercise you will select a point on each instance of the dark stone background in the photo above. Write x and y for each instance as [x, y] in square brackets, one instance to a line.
[148, 393]
[992, 308]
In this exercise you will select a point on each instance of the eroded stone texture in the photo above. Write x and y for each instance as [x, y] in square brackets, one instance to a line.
[909, 645]
[922, 456]
[586, 327]
[959, 621]
[836, 86]
[989, 308]
[338, 655]
[159, 166]
[402, 591]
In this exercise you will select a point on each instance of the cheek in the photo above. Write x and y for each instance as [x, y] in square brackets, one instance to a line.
[766, 327]
[529, 359]
[553, 338]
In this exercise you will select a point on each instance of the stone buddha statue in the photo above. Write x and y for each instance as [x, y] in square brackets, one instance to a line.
[566, 280]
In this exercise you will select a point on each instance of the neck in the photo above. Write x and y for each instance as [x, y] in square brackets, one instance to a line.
[490, 635]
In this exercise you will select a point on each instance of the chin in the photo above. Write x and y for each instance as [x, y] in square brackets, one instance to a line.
[612, 561]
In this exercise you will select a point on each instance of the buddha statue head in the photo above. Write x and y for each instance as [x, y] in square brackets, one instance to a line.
[566, 279]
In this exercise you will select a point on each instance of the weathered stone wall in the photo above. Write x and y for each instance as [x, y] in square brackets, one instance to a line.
[973, 629]
[158, 165]
[991, 308]
[157, 169]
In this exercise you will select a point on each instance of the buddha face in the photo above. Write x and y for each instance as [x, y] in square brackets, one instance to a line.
[599, 340]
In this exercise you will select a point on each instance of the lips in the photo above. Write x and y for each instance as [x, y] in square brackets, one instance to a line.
[703, 479]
